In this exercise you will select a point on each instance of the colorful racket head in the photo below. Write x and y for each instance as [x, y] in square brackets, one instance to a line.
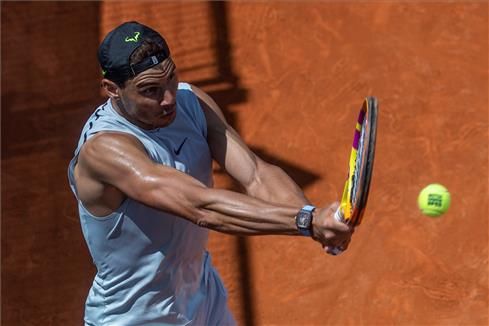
[360, 167]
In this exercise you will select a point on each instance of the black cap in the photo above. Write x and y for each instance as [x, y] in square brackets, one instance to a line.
[118, 46]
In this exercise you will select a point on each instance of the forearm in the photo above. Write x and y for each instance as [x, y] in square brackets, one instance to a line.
[239, 214]
[274, 185]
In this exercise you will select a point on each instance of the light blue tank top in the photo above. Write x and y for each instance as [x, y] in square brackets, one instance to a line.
[152, 266]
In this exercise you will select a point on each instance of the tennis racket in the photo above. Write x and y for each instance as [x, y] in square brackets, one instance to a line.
[357, 185]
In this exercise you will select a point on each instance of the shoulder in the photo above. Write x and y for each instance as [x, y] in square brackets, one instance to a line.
[195, 91]
[207, 103]
[108, 141]
[182, 86]
[105, 148]
[185, 92]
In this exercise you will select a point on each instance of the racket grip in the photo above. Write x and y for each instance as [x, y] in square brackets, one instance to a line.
[338, 215]
[335, 251]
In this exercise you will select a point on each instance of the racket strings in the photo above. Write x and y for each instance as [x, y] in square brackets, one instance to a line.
[358, 165]
[356, 188]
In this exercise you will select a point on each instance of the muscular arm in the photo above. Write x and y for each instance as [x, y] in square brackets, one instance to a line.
[259, 178]
[120, 161]
[112, 166]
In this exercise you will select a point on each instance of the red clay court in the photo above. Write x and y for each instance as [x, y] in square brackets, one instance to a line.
[290, 77]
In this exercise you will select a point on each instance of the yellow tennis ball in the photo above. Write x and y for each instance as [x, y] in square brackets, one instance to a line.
[434, 200]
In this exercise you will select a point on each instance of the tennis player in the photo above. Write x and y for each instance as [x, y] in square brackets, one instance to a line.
[142, 177]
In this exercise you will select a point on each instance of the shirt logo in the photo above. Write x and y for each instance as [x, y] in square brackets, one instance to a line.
[134, 38]
[177, 150]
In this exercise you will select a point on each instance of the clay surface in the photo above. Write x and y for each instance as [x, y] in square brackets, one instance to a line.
[290, 77]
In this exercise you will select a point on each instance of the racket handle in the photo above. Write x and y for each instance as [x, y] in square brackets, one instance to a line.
[335, 251]
[338, 215]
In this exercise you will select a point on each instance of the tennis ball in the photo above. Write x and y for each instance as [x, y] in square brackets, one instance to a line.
[434, 200]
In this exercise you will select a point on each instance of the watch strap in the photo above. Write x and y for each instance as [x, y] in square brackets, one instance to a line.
[307, 231]
[309, 208]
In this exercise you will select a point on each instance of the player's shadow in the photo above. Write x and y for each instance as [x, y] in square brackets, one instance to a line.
[235, 93]
[303, 178]
[232, 94]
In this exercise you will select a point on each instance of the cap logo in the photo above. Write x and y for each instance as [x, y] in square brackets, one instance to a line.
[134, 38]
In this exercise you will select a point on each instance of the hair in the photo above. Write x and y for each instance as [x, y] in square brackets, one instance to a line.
[147, 49]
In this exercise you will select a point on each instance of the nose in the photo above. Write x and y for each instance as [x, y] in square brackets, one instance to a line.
[168, 98]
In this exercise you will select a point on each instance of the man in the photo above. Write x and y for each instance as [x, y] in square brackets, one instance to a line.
[143, 180]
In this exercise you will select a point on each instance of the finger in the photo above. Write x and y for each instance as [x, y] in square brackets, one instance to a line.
[334, 206]
[338, 221]
[330, 245]
[341, 226]
[345, 244]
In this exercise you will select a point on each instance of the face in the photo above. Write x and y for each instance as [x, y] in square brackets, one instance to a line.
[149, 100]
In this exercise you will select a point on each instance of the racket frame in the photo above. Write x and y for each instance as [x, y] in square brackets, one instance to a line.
[367, 119]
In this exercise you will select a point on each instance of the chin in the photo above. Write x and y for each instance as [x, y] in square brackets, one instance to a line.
[166, 120]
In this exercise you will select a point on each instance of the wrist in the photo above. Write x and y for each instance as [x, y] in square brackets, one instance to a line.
[304, 220]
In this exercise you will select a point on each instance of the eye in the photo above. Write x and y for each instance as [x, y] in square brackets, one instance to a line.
[149, 91]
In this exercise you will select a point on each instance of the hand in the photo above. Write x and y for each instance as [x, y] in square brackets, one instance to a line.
[328, 231]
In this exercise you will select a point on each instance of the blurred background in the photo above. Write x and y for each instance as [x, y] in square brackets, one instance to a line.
[290, 77]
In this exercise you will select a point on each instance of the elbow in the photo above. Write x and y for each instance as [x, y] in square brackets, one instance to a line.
[206, 219]
[203, 223]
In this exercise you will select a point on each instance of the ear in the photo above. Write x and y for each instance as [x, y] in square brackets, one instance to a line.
[111, 88]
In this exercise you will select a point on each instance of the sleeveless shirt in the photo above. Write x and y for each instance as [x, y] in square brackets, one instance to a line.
[152, 266]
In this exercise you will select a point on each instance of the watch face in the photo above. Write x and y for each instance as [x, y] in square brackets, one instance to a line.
[304, 219]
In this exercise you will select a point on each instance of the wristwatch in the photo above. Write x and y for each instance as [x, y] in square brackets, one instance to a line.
[303, 220]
